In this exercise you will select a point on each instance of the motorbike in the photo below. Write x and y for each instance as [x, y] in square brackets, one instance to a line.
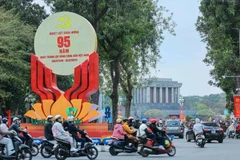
[200, 140]
[147, 147]
[119, 146]
[62, 151]
[29, 141]
[22, 151]
[47, 148]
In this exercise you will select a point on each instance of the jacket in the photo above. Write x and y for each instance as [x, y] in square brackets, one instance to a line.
[74, 130]
[3, 130]
[48, 131]
[155, 129]
[15, 127]
[127, 129]
[58, 131]
[118, 131]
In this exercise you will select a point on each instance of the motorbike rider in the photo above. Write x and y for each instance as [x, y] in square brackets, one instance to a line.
[131, 133]
[74, 131]
[118, 131]
[48, 128]
[4, 140]
[197, 128]
[16, 127]
[145, 133]
[60, 133]
[158, 133]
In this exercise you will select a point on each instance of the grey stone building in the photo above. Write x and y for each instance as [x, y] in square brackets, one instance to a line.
[156, 93]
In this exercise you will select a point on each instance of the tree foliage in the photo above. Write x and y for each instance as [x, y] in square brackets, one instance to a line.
[153, 113]
[15, 44]
[216, 26]
[206, 113]
[28, 12]
[216, 102]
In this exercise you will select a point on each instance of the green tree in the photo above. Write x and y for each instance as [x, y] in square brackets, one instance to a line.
[15, 44]
[206, 113]
[28, 12]
[216, 26]
[202, 107]
[153, 113]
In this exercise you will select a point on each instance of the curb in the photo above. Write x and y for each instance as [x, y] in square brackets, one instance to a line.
[102, 148]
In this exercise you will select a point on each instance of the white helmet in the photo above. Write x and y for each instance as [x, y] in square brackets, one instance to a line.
[49, 116]
[15, 118]
[70, 118]
[57, 116]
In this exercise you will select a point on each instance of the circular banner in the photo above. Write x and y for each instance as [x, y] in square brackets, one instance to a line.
[63, 41]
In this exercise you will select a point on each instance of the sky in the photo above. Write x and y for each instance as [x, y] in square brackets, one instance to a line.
[183, 54]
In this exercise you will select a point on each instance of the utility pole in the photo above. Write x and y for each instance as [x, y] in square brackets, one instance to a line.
[238, 77]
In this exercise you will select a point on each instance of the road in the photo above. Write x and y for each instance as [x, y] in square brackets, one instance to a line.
[228, 150]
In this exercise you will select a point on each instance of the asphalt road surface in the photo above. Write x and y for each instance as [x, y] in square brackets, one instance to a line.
[228, 150]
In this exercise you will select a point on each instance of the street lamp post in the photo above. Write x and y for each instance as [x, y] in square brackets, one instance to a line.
[181, 101]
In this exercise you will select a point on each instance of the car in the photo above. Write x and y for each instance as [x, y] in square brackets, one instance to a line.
[212, 131]
[174, 127]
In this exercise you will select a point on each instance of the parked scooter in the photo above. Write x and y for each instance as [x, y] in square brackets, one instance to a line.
[29, 141]
[119, 146]
[149, 148]
[22, 151]
[62, 151]
[200, 140]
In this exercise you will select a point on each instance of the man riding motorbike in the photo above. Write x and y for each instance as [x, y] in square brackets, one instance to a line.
[16, 127]
[4, 140]
[48, 128]
[131, 133]
[197, 128]
[145, 133]
[158, 133]
[60, 133]
[74, 131]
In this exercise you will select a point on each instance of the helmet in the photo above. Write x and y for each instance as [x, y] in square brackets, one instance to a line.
[57, 116]
[15, 118]
[144, 120]
[125, 120]
[130, 118]
[153, 121]
[70, 118]
[197, 120]
[49, 116]
[4, 120]
[119, 120]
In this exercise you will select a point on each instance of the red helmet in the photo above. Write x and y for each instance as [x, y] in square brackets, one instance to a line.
[153, 121]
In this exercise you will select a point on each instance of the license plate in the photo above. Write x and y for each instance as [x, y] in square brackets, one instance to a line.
[213, 131]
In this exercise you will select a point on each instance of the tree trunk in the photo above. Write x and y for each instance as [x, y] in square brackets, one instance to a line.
[115, 77]
[128, 106]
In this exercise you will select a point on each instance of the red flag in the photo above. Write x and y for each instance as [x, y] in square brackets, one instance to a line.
[237, 106]
[9, 117]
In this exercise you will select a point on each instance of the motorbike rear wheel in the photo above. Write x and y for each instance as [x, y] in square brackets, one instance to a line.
[143, 153]
[45, 151]
[58, 154]
[34, 150]
[112, 151]
[172, 151]
[24, 154]
[92, 153]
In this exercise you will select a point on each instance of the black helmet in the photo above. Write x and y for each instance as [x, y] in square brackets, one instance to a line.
[125, 120]
[4, 120]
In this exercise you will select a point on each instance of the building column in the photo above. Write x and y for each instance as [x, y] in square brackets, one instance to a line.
[173, 95]
[154, 95]
[178, 94]
[160, 94]
[148, 94]
[144, 95]
[166, 94]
